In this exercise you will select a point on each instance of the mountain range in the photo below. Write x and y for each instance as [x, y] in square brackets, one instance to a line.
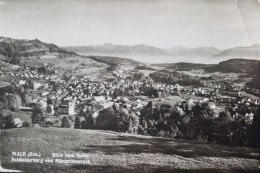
[150, 54]
[111, 49]
[251, 52]
[142, 53]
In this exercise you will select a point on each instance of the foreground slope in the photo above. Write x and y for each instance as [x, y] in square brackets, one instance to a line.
[118, 152]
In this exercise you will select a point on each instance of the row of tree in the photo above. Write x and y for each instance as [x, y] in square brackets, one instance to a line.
[199, 123]
[175, 77]
[114, 118]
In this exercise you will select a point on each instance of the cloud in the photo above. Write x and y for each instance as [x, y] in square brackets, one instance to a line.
[2, 2]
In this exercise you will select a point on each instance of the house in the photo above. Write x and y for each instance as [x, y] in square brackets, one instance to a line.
[205, 99]
[178, 87]
[36, 85]
[52, 110]
[107, 104]
[72, 108]
[42, 103]
[127, 105]
[190, 101]
[212, 105]
[95, 115]
[45, 93]
[99, 98]
[22, 82]
[18, 122]
[29, 109]
[139, 106]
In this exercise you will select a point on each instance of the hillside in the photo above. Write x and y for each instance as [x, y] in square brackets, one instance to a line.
[182, 66]
[114, 60]
[118, 152]
[147, 54]
[229, 66]
[145, 50]
[200, 52]
[111, 49]
[150, 54]
[252, 52]
[236, 66]
[240, 65]
[16, 48]
[16, 54]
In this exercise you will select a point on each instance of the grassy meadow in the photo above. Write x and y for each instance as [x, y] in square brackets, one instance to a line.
[118, 152]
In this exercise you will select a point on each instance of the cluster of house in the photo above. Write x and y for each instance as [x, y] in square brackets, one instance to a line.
[87, 91]
[222, 85]
[27, 73]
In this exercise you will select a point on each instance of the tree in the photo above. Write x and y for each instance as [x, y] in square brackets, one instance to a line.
[65, 122]
[42, 69]
[152, 92]
[3, 102]
[77, 122]
[6, 121]
[201, 123]
[26, 124]
[26, 99]
[239, 131]
[175, 118]
[254, 131]
[138, 76]
[224, 118]
[38, 115]
[57, 123]
[49, 101]
[119, 120]
[133, 123]
[89, 122]
[15, 61]
[29, 84]
[107, 120]
[127, 122]
[117, 93]
[15, 102]
[66, 76]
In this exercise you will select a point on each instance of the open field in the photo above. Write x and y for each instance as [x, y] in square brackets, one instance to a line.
[24, 116]
[78, 66]
[171, 100]
[147, 72]
[198, 72]
[118, 152]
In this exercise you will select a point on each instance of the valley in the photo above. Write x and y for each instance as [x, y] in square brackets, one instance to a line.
[163, 115]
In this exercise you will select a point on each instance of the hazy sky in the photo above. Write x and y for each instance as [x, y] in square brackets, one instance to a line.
[160, 23]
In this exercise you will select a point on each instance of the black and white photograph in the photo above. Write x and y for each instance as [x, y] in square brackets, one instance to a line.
[129, 86]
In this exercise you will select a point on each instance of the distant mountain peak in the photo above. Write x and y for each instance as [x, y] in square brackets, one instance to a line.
[249, 52]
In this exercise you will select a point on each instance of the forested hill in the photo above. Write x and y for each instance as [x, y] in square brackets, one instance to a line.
[15, 47]
[183, 65]
[237, 66]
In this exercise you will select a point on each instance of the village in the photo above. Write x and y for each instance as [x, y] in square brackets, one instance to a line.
[63, 96]
[151, 86]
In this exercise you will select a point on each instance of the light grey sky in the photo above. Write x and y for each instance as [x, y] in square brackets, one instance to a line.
[160, 23]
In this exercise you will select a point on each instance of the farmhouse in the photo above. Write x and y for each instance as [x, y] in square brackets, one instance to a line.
[18, 122]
